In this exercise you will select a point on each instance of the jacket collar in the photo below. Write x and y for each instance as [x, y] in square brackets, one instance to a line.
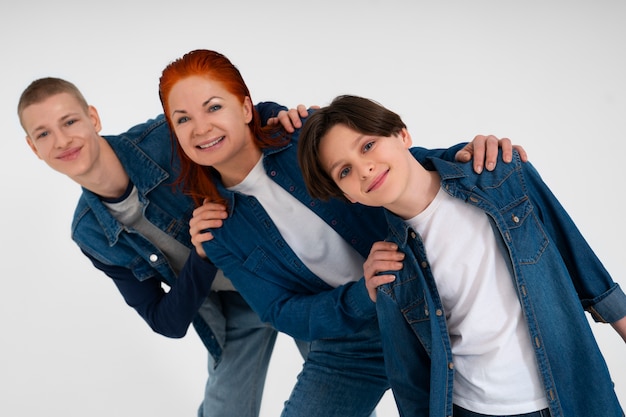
[144, 173]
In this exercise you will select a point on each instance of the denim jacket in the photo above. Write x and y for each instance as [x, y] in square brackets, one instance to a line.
[137, 266]
[556, 274]
[270, 276]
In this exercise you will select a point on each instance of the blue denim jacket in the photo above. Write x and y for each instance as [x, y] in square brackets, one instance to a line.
[556, 275]
[138, 267]
[270, 276]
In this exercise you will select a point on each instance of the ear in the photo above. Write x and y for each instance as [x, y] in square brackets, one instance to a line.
[247, 109]
[32, 147]
[95, 118]
[405, 136]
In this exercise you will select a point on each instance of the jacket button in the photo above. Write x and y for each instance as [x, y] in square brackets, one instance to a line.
[154, 258]
[439, 313]
[515, 218]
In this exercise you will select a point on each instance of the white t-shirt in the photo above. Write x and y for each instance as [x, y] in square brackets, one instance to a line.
[128, 211]
[495, 367]
[317, 244]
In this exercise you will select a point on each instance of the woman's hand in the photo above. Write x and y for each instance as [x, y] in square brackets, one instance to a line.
[291, 119]
[207, 216]
[484, 150]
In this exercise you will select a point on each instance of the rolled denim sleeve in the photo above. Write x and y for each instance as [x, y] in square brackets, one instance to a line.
[609, 307]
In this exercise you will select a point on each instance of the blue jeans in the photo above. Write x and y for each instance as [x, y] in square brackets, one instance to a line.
[235, 384]
[343, 377]
[462, 412]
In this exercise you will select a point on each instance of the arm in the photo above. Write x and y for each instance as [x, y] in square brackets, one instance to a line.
[296, 303]
[598, 293]
[168, 313]
[268, 110]
[484, 150]
[273, 114]
[291, 119]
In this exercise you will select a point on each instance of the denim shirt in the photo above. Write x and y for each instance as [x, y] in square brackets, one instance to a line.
[556, 274]
[270, 276]
[136, 265]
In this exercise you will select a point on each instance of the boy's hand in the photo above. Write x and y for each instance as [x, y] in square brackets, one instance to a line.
[384, 256]
[484, 150]
[291, 119]
[207, 216]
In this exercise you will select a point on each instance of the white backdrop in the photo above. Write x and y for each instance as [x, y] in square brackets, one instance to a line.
[547, 74]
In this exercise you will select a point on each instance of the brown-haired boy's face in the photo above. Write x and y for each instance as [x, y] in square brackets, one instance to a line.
[63, 134]
[371, 170]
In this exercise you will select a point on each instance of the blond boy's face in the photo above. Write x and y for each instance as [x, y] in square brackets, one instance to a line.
[63, 134]
[371, 170]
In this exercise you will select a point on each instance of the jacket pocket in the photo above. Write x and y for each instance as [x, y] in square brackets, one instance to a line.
[524, 233]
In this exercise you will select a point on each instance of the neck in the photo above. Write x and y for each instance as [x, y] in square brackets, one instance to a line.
[421, 190]
[107, 177]
[237, 169]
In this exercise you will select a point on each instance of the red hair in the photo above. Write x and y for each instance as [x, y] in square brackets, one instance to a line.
[197, 180]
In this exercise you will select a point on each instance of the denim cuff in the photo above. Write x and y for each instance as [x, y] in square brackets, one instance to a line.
[610, 306]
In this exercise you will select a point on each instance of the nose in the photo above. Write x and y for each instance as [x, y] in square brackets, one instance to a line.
[62, 140]
[203, 127]
[365, 169]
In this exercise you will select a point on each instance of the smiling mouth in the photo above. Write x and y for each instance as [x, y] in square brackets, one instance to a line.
[377, 181]
[69, 154]
[213, 143]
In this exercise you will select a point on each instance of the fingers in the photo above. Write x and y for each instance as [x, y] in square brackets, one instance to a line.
[484, 151]
[302, 110]
[384, 256]
[287, 118]
[376, 281]
[291, 119]
[490, 152]
[522, 153]
[207, 216]
[475, 151]
[284, 118]
[197, 240]
[507, 150]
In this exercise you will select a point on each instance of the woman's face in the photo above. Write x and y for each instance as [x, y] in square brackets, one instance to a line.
[211, 125]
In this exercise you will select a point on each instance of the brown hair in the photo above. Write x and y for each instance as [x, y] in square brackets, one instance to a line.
[197, 179]
[39, 90]
[357, 113]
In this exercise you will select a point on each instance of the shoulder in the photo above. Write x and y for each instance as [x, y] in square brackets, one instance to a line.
[152, 129]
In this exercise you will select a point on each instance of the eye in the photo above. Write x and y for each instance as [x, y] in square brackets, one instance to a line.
[70, 122]
[368, 146]
[182, 120]
[214, 107]
[42, 135]
[344, 172]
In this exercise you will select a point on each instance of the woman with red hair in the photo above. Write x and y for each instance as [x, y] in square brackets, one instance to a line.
[298, 262]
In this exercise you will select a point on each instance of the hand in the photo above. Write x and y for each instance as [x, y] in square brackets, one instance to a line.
[207, 216]
[484, 150]
[291, 119]
[620, 327]
[384, 256]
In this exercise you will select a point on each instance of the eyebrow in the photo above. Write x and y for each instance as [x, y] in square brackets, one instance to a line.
[61, 119]
[204, 103]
